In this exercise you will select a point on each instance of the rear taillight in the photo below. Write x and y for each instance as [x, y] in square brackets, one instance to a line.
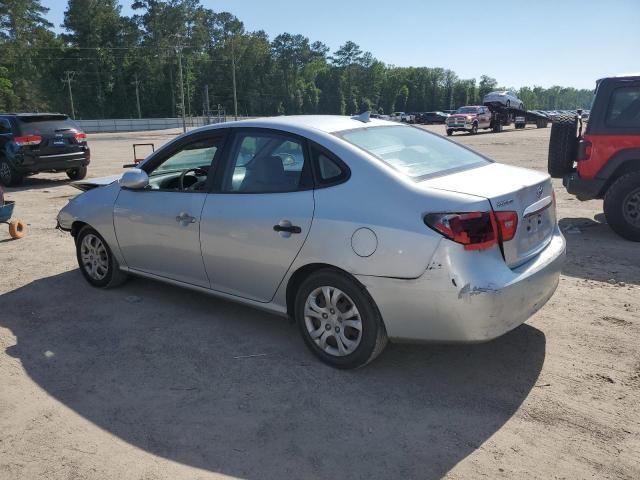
[507, 225]
[584, 150]
[80, 136]
[474, 230]
[28, 140]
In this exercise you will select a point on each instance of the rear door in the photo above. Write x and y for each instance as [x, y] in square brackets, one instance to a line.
[254, 226]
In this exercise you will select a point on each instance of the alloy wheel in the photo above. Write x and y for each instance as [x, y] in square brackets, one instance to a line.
[333, 321]
[95, 259]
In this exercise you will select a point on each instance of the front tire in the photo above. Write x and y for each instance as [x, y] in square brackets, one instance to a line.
[622, 206]
[449, 132]
[339, 320]
[78, 173]
[96, 261]
[9, 176]
[474, 129]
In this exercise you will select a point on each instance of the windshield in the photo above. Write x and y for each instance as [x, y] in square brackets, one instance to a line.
[467, 110]
[412, 151]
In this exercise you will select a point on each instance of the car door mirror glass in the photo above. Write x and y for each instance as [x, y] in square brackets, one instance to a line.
[134, 179]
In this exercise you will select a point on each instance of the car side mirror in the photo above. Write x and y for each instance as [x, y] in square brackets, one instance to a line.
[135, 179]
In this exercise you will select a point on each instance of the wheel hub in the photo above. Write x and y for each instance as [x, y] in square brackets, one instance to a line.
[333, 321]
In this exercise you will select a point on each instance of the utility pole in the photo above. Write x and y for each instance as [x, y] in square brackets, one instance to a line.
[138, 97]
[179, 51]
[206, 100]
[233, 76]
[70, 74]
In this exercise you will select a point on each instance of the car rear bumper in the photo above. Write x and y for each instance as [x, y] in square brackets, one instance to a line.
[64, 161]
[467, 298]
[581, 188]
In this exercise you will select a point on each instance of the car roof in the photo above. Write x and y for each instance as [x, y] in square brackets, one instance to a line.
[624, 75]
[323, 123]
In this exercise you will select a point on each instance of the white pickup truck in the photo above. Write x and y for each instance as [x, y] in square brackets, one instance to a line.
[402, 117]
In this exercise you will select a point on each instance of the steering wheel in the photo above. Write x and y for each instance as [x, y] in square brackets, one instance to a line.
[196, 170]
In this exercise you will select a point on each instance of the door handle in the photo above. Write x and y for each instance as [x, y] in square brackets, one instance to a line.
[185, 218]
[285, 226]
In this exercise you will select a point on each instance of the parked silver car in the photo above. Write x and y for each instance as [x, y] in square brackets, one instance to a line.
[505, 98]
[359, 229]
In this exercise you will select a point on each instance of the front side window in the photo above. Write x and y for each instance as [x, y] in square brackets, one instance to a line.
[266, 163]
[413, 151]
[624, 108]
[186, 169]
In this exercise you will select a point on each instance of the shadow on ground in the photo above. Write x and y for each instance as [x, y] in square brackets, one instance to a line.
[170, 371]
[39, 183]
[595, 252]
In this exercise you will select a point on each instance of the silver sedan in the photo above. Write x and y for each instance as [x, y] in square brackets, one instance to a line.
[362, 230]
[504, 98]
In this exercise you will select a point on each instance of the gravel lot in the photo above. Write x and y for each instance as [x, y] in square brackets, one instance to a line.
[151, 382]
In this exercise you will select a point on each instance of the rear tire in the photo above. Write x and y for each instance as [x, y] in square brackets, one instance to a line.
[77, 173]
[9, 177]
[622, 206]
[563, 145]
[359, 346]
[96, 261]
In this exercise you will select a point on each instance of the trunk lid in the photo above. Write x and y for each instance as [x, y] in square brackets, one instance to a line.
[527, 192]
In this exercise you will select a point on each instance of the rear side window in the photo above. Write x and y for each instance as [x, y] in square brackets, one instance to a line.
[45, 125]
[624, 108]
[330, 170]
[5, 126]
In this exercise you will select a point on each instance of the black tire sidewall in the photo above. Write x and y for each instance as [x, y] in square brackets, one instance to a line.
[77, 173]
[112, 264]
[14, 179]
[563, 144]
[370, 317]
[614, 204]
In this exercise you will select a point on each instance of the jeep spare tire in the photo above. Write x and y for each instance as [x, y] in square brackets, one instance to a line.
[563, 145]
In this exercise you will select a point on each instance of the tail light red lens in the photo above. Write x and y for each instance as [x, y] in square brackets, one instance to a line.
[584, 150]
[474, 230]
[28, 140]
[80, 136]
[507, 225]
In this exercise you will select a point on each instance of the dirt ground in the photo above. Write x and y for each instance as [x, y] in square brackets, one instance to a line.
[152, 382]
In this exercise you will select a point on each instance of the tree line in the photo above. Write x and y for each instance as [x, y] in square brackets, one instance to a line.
[117, 66]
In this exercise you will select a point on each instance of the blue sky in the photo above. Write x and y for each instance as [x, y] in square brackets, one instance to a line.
[535, 42]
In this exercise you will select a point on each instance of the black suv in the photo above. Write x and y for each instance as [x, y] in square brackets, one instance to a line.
[41, 142]
[431, 117]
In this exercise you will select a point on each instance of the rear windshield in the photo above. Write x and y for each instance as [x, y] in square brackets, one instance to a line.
[412, 151]
[45, 125]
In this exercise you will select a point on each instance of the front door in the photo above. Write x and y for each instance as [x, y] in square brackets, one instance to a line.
[254, 227]
[158, 228]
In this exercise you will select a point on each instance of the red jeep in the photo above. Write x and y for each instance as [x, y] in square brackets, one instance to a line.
[607, 155]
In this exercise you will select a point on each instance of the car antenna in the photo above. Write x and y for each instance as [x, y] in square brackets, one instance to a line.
[364, 117]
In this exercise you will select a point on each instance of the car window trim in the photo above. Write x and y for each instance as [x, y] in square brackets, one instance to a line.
[306, 175]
